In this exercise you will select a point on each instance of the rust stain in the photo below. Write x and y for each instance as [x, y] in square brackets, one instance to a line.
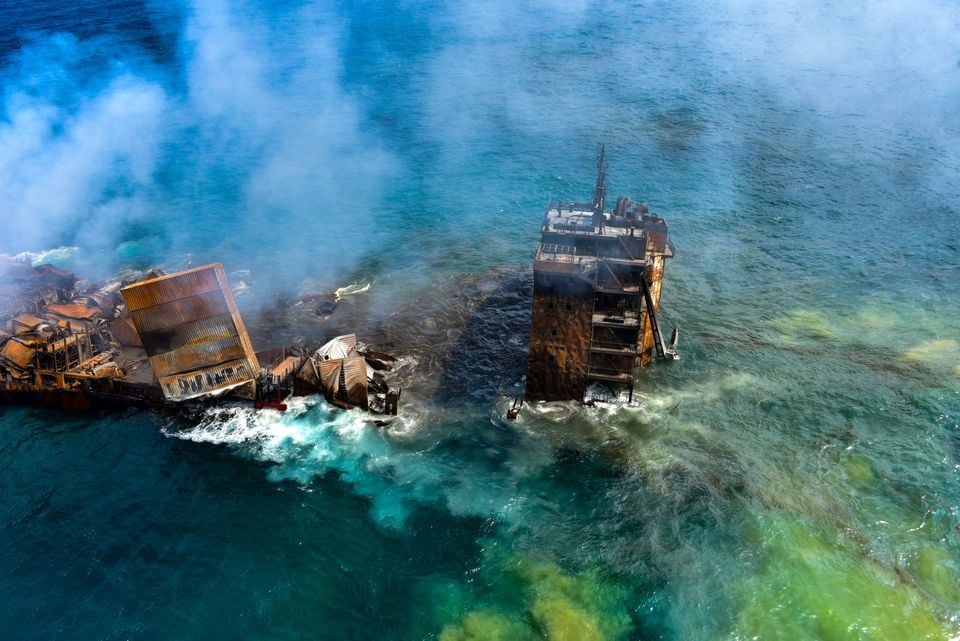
[74, 310]
[16, 353]
[192, 331]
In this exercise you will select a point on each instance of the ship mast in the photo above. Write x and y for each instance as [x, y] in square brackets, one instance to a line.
[600, 192]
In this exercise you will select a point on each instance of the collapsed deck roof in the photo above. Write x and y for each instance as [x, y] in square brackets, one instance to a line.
[192, 332]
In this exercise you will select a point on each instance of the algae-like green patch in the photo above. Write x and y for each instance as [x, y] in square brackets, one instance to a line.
[487, 625]
[936, 573]
[531, 599]
[585, 606]
[860, 470]
[809, 587]
[940, 352]
[807, 324]
[873, 320]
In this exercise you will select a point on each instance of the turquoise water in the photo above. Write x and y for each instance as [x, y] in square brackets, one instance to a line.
[793, 476]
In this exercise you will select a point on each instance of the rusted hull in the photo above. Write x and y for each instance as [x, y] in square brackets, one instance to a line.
[178, 343]
[71, 400]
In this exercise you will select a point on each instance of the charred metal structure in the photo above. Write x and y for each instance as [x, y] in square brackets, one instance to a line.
[597, 282]
[163, 341]
[191, 330]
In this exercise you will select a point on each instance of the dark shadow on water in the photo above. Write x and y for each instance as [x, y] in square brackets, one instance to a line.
[489, 357]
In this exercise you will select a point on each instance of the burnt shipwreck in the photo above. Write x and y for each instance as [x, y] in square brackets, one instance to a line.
[164, 341]
[598, 276]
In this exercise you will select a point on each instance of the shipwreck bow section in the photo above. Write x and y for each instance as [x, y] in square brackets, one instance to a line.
[597, 281]
[193, 334]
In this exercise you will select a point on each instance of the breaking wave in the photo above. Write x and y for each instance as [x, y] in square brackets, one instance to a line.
[56, 256]
[417, 458]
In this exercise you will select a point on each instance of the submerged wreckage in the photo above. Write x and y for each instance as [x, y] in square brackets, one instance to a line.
[168, 340]
[178, 340]
[597, 278]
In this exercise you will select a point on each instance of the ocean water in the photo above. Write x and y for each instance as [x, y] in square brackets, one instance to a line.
[793, 477]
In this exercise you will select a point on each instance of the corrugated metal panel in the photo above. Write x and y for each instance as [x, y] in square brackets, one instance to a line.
[177, 312]
[215, 328]
[355, 371]
[285, 368]
[308, 378]
[164, 289]
[192, 331]
[339, 347]
[349, 340]
[330, 376]
[194, 357]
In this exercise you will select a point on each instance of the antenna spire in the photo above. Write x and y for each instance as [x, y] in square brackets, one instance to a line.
[600, 193]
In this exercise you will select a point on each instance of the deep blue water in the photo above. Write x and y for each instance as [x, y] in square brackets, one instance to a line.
[793, 476]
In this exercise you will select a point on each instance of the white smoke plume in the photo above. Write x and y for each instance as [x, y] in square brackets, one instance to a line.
[246, 148]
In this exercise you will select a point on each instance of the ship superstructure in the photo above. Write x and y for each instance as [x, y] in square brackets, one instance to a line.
[597, 283]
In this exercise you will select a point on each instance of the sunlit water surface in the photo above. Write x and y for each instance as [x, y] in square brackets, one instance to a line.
[794, 476]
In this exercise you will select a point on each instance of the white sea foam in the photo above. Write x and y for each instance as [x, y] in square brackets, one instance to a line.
[351, 290]
[310, 439]
[700, 392]
[396, 466]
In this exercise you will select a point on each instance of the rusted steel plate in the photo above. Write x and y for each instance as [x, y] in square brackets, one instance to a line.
[214, 328]
[74, 310]
[122, 330]
[163, 289]
[192, 331]
[195, 357]
[27, 323]
[17, 354]
[177, 312]
[561, 267]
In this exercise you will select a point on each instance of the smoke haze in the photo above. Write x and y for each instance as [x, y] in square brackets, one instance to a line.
[281, 138]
